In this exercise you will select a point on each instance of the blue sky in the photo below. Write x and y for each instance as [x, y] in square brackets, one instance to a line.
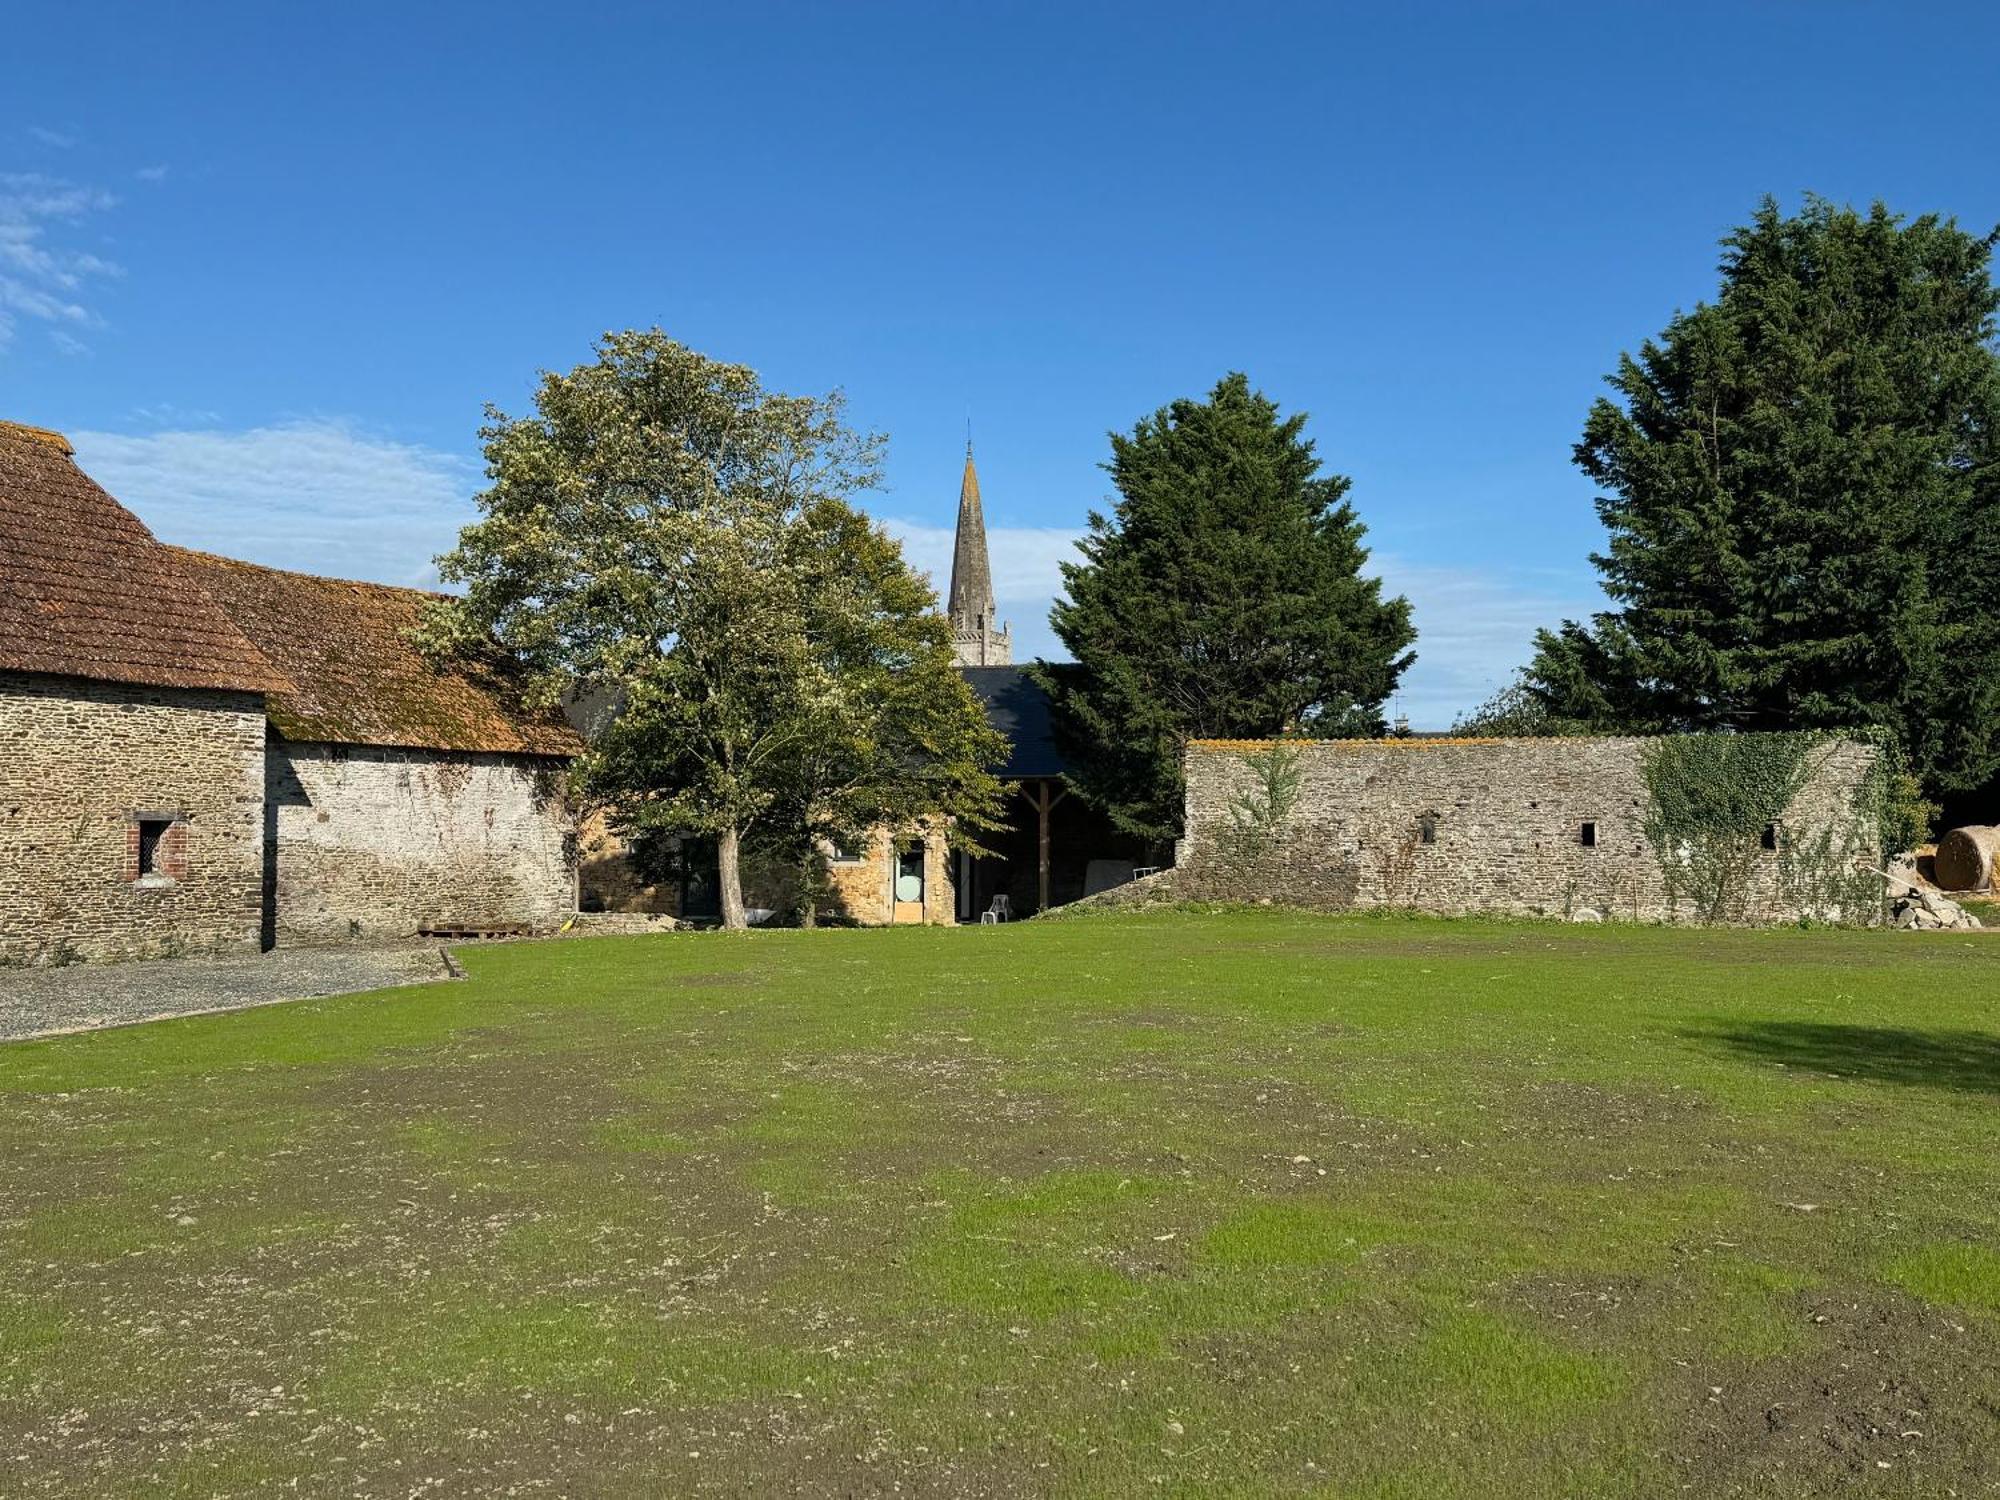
[266, 263]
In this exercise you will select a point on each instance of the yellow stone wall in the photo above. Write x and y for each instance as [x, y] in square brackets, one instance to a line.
[605, 878]
[859, 891]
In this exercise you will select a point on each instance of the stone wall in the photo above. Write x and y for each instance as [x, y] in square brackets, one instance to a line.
[608, 879]
[858, 890]
[80, 764]
[1454, 826]
[862, 890]
[374, 843]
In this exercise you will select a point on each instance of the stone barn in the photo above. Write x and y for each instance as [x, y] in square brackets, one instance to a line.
[400, 797]
[131, 731]
[202, 756]
[1581, 828]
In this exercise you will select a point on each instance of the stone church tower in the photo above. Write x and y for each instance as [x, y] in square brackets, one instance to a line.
[980, 639]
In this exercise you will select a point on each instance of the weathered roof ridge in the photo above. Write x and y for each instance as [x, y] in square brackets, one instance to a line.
[38, 434]
[357, 676]
[86, 590]
[1411, 742]
[1449, 741]
[196, 554]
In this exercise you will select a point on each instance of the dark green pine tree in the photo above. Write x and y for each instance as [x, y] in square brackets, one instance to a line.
[1223, 598]
[1803, 509]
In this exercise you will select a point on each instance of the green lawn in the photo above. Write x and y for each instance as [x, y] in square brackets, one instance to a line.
[1233, 1204]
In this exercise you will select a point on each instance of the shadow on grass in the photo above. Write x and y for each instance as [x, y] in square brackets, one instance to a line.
[1968, 1061]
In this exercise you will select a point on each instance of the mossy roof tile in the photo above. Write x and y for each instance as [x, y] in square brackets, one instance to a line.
[356, 676]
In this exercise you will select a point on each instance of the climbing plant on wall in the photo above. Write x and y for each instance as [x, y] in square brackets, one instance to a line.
[1258, 814]
[1717, 808]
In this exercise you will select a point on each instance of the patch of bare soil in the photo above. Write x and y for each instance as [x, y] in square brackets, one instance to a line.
[1890, 1391]
[1597, 1312]
[1589, 1109]
[793, 1443]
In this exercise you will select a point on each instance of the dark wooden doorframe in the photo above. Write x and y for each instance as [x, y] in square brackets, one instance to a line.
[1043, 800]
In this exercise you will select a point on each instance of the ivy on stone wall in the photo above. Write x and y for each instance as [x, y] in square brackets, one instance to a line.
[1717, 807]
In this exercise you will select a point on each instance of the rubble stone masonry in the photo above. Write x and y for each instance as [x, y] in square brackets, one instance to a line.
[862, 889]
[377, 843]
[84, 766]
[1457, 826]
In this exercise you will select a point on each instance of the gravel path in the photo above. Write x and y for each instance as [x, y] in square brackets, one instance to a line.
[43, 1002]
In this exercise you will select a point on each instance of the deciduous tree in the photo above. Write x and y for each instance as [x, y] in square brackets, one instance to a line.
[667, 535]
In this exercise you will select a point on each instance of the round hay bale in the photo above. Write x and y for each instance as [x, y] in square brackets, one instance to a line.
[1966, 857]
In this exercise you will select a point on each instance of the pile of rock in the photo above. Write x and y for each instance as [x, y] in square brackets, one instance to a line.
[1921, 909]
[618, 923]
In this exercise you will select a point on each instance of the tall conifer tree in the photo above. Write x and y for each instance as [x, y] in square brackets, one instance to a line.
[1223, 598]
[1802, 502]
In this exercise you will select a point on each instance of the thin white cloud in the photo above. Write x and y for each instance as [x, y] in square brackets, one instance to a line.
[321, 496]
[152, 174]
[1475, 626]
[41, 281]
[61, 140]
[168, 414]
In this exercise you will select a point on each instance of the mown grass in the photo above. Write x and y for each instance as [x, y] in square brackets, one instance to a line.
[1233, 1203]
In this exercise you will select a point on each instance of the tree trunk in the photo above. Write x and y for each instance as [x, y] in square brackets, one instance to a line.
[729, 875]
[809, 888]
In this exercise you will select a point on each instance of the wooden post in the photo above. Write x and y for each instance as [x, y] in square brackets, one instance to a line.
[1043, 802]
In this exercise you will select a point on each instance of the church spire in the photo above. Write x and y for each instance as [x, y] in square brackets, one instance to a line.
[979, 637]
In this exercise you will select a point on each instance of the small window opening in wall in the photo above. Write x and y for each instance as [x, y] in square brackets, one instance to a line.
[1587, 835]
[1427, 828]
[1770, 839]
[846, 851]
[152, 834]
[910, 874]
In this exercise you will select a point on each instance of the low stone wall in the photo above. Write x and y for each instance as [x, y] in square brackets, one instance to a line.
[81, 763]
[1541, 827]
[374, 843]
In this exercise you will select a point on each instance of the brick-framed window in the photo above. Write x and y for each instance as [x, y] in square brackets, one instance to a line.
[156, 848]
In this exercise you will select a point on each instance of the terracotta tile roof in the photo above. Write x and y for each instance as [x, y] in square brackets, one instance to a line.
[357, 679]
[85, 591]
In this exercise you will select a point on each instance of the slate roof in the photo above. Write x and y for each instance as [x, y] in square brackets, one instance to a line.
[355, 677]
[85, 590]
[1017, 706]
